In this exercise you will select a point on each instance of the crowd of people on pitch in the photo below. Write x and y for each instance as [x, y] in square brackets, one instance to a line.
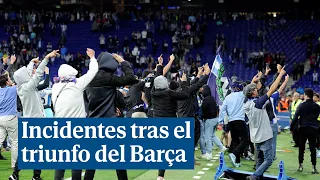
[248, 112]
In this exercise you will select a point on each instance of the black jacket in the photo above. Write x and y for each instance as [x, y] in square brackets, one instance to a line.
[210, 108]
[148, 90]
[186, 107]
[134, 97]
[101, 94]
[165, 101]
[306, 115]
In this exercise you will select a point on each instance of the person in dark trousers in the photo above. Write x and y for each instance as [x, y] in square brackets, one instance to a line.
[306, 117]
[186, 107]
[232, 107]
[101, 94]
[165, 100]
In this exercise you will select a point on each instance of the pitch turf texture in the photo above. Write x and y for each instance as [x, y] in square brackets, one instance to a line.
[289, 156]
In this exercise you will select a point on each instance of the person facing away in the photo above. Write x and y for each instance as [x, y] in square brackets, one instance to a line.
[30, 98]
[101, 94]
[306, 118]
[233, 107]
[164, 101]
[210, 114]
[27, 87]
[71, 88]
[259, 125]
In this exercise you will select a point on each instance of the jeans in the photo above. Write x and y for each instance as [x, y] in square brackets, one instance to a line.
[208, 136]
[265, 157]
[274, 128]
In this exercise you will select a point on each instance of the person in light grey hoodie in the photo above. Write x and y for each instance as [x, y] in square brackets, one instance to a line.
[27, 87]
[27, 84]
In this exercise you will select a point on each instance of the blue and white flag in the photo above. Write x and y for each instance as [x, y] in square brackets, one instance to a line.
[218, 82]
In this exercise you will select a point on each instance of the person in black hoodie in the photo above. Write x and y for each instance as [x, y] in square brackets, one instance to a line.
[165, 100]
[149, 81]
[186, 107]
[210, 114]
[101, 94]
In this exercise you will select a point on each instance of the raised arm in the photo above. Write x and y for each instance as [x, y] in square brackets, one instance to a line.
[13, 59]
[46, 82]
[128, 78]
[31, 65]
[168, 66]
[276, 83]
[34, 81]
[284, 84]
[203, 80]
[84, 80]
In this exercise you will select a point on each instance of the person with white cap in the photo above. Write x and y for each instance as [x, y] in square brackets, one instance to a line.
[69, 87]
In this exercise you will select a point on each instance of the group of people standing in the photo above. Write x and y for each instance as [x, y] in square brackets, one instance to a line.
[249, 109]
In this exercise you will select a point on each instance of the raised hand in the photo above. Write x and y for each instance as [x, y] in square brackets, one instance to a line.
[286, 78]
[52, 54]
[35, 60]
[207, 69]
[90, 53]
[13, 59]
[160, 60]
[171, 57]
[118, 58]
[184, 77]
[267, 70]
[283, 71]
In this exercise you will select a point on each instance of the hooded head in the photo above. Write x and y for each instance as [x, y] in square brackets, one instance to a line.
[161, 82]
[206, 91]
[107, 62]
[21, 76]
[67, 72]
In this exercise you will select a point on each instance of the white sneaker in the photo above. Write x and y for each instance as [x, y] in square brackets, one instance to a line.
[196, 148]
[209, 157]
[223, 149]
[160, 178]
[318, 154]
[203, 156]
[233, 159]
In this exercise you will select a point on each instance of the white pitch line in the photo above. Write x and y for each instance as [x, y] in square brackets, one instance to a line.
[196, 177]
[209, 164]
[215, 158]
[200, 172]
[205, 169]
[217, 155]
[82, 174]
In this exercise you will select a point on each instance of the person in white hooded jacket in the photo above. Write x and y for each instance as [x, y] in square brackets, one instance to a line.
[71, 88]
